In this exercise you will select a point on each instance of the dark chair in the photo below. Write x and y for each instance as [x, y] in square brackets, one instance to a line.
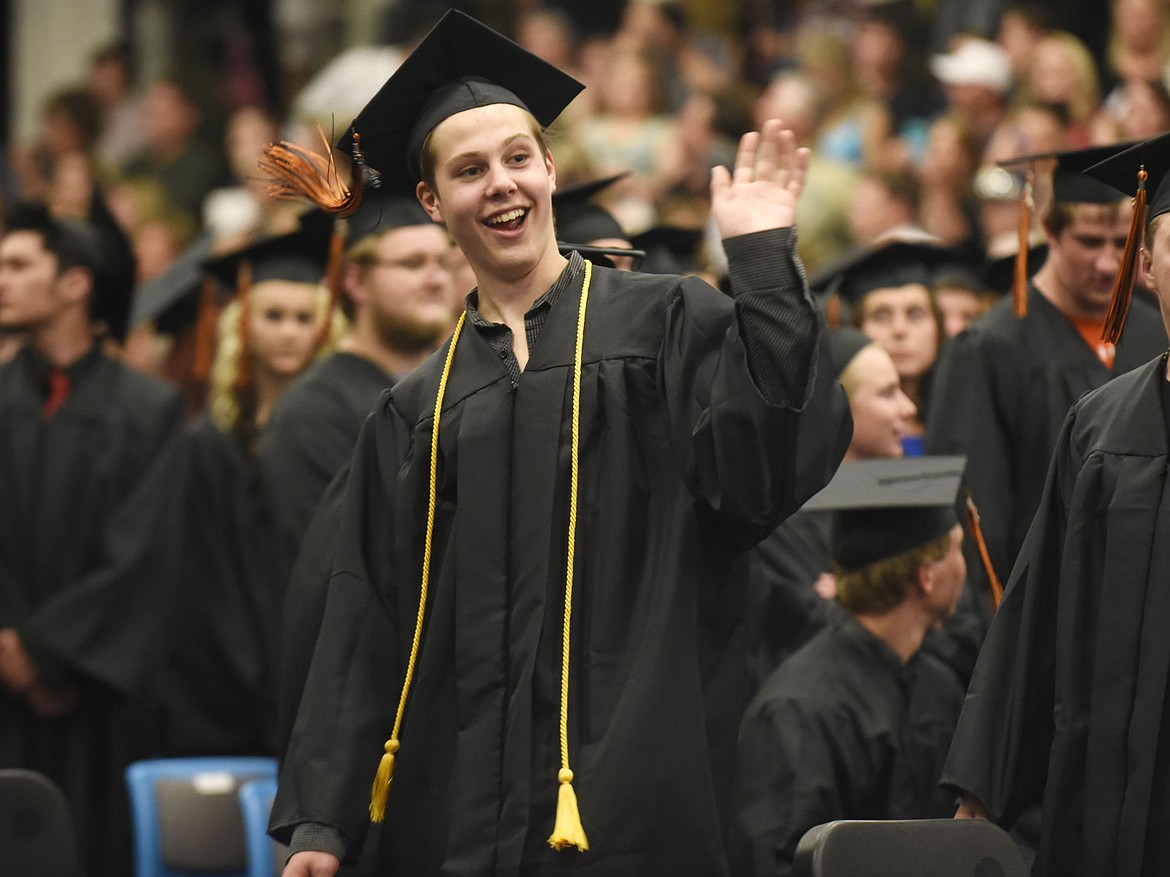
[908, 848]
[187, 817]
[36, 827]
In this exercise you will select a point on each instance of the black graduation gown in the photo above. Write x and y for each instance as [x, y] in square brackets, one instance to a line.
[842, 730]
[311, 435]
[1068, 699]
[1001, 392]
[683, 467]
[222, 639]
[88, 506]
[784, 611]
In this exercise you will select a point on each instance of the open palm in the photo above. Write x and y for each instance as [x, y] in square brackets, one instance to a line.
[761, 193]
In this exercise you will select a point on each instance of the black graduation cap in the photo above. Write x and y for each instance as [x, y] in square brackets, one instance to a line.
[1070, 185]
[579, 219]
[669, 249]
[845, 342]
[888, 506]
[1140, 171]
[1120, 170]
[459, 65]
[301, 256]
[382, 210]
[998, 273]
[893, 264]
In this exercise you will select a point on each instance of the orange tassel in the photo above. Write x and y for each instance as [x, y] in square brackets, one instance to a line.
[381, 789]
[333, 276]
[295, 173]
[977, 532]
[244, 362]
[833, 311]
[205, 331]
[1127, 273]
[1020, 277]
[567, 830]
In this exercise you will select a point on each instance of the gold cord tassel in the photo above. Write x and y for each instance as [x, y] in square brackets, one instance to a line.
[976, 528]
[1020, 276]
[296, 173]
[1127, 274]
[567, 832]
[381, 789]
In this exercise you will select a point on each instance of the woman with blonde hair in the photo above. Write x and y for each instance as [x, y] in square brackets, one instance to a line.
[220, 685]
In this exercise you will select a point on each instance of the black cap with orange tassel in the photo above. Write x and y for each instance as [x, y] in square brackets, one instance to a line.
[1140, 171]
[1069, 186]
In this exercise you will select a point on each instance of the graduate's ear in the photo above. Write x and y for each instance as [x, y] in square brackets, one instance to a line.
[75, 284]
[551, 169]
[353, 283]
[429, 199]
[1146, 267]
[924, 580]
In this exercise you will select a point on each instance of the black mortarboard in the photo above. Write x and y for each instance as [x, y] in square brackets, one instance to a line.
[579, 219]
[888, 506]
[301, 257]
[459, 65]
[171, 299]
[845, 342]
[894, 264]
[998, 273]
[669, 249]
[1120, 172]
[381, 211]
[1140, 171]
[1070, 185]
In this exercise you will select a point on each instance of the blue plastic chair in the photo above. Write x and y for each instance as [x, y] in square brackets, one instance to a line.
[187, 815]
[265, 855]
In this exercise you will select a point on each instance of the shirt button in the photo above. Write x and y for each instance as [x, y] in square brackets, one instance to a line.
[503, 354]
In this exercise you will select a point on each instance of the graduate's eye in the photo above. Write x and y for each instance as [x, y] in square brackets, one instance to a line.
[273, 315]
[880, 315]
[916, 314]
[305, 318]
[519, 158]
[469, 171]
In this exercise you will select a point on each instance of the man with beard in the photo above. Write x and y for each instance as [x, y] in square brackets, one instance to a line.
[397, 295]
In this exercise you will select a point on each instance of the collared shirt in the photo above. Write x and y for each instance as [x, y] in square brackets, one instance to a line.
[499, 336]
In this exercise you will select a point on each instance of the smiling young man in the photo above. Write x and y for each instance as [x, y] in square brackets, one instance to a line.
[1002, 388]
[554, 512]
[1067, 707]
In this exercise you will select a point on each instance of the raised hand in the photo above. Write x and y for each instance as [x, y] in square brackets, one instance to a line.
[762, 192]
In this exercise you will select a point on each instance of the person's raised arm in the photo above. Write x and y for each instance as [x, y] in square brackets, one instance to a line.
[762, 192]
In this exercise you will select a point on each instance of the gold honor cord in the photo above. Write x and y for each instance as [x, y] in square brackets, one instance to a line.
[385, 772]
[567, 830]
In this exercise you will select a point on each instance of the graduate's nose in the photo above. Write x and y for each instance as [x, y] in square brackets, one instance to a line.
[500, 180]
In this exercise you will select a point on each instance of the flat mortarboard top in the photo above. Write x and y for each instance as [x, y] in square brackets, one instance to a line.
[888, 265]
[301, 256]
[1070, 185]
[461, 64]
[578, 219]
[888, 506]
[382, 211]
[1120, 172]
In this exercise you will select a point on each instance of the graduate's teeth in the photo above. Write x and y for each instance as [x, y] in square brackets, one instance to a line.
[510, 216]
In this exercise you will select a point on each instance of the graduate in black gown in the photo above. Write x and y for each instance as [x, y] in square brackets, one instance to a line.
[90, 486]
[701, 421]
[222, 640]
[791, 591]
[856, 723]
[1068, 701]
[397, 291]
[1003, 387]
